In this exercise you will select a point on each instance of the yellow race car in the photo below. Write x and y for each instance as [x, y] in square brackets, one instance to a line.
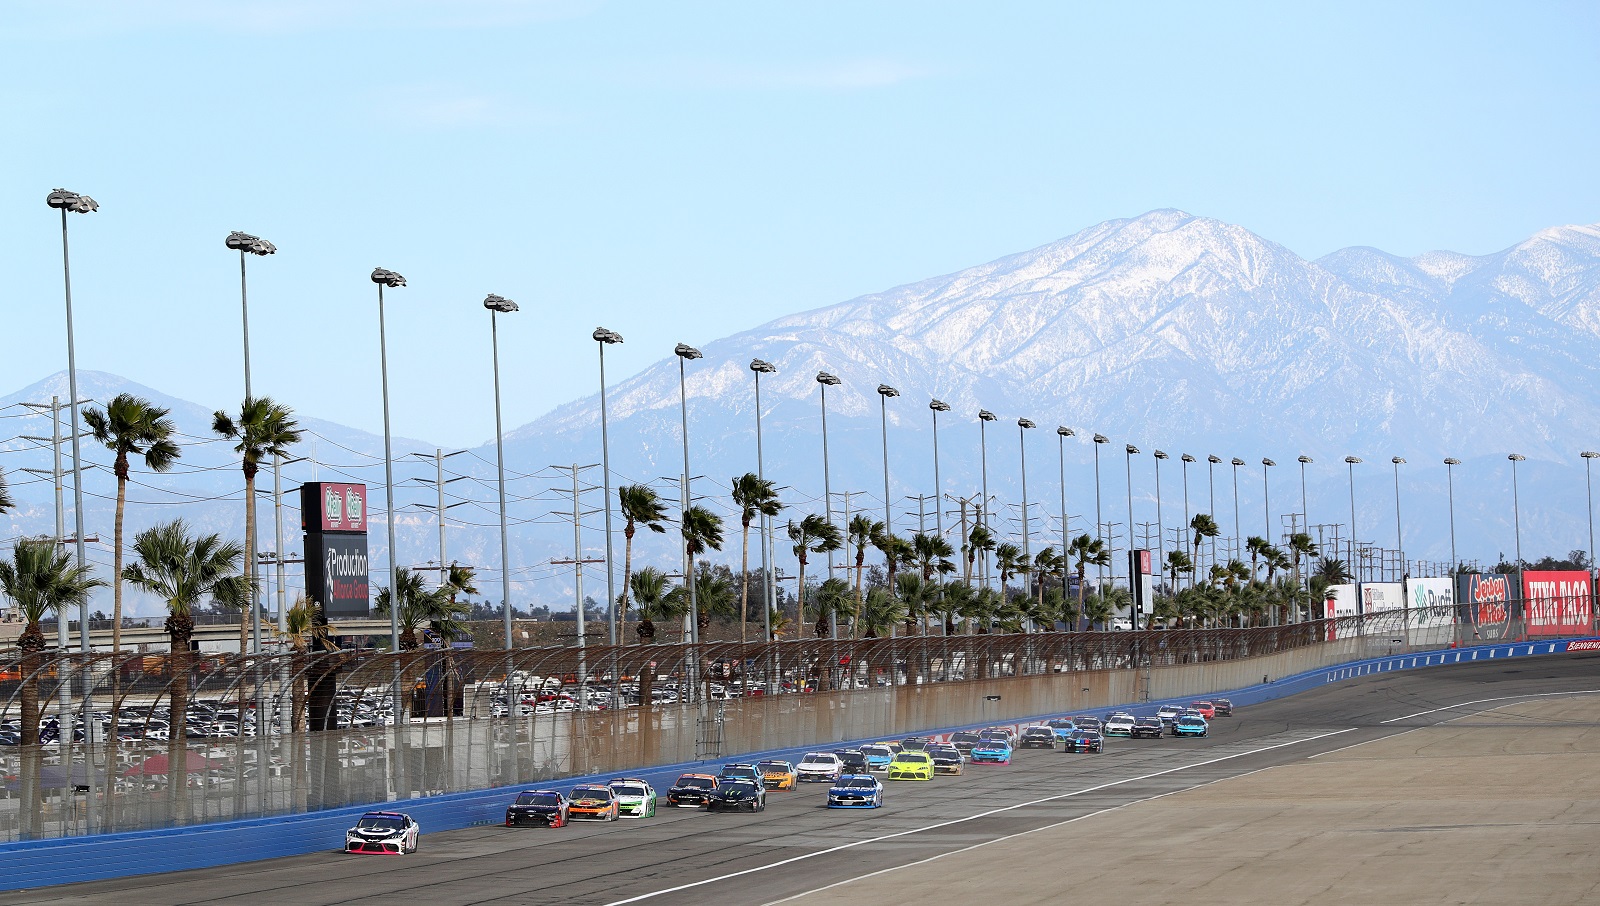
[911, 766]
[777, 775]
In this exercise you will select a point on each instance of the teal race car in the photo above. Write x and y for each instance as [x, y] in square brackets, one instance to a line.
[1191, 725]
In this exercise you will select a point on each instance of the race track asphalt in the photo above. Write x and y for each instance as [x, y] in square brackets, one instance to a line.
[797, 845]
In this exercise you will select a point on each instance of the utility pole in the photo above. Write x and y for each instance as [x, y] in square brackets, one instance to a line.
[922, 512]
[577, 562]
[438, 482]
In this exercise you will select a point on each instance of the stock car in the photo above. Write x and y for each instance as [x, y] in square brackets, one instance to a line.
[690, 790]
[1007, 732]
[1206, 709]
[737, 795]
[856, 791]
[539, 808]
[1147, 728]
[739, 771]
[946, 759]
[1087, 723]
[878, 757]
[915, 744]
[1061, 726]
[386, 833]
[1038, 738]
[592, 801]
[1191, 725]
[818, 766]
[851, 761]
[911, 766]
[635, 798]
[776, 775]
[1085, 741]
[1119, 724]
[1169, 714]
[964, 741]
[992, 750]
[1223, 707]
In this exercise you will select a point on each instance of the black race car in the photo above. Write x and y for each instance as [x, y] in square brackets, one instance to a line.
[915, 743]
[854, 761]
[964, 742]
[1084, 741]
[1037, 738]
[737, 795]
[538, 808]
[1147, 727]
[692, 790]
[1224, 707]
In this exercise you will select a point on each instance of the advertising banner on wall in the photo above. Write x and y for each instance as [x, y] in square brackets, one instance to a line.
[1339, 601]
[1432, 602]
[1379, 598]
[1557, 603]
[336, 574]
[1490, 602]
[330, 506]
[1141, 565]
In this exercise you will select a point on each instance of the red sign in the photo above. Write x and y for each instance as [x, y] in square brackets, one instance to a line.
[1490, 597]
[1584, 645]
[334, 507]
[1557, 603]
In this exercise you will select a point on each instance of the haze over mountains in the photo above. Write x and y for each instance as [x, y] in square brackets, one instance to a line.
[1166, 331]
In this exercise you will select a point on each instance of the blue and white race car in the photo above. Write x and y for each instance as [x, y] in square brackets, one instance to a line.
[1061, 726]
[1191, 725]
[856, 791]
[994, 750]
[384, 833]
[878, 756]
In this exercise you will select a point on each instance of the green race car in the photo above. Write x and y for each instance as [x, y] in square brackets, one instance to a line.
[635, 798]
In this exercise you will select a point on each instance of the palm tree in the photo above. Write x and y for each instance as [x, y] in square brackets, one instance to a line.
[414, 607]
[1202, 527]
[914, 595]
[1086, 550]
[979, 541]
[1301, 545]
[657, 598]
[1256, 545]
[1007, 559]
[832, 597]
[639, 505]
[1178, 562]
[755, 497]
[40, 579]
[713, 590]
[932, 553]
[184, 571]
[812, 535]
[263, 430]
[879, 612]
[955, 600]
[5, 495]
[702, 531]
[861, 532]
[980, 611]
[1045, 562]
[130, 426]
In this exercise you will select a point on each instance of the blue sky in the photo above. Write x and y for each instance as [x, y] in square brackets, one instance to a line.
[681, 171]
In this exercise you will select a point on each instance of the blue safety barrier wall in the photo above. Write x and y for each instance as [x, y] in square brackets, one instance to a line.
[41, 863]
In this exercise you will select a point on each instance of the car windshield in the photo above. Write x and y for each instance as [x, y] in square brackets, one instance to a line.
[875, 751]
[1192, 721]
[857, 784]
[774, 767]
[738, 786]
[629, 790]
[1039, 731]
[590, 792]
[964, 737]
[381, 822]
[538, 799]
[911, 758]
[818, 759]
[696, 783]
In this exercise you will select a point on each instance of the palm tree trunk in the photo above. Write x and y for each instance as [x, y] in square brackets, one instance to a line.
[861, 563]
[31, 756]
[627, 582]
[800, 599]
[247, 608]
[179, 627]
[116, 558]
[744, 595]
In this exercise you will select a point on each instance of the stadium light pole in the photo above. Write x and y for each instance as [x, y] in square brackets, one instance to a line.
[1023, 424]
[1099, 531]
[1304, 511]
[1212, 461]
[1350, 463]
[1186, 459]
[1128, 451]
[1450, 463]
[1399, 530]
[386, 278]
[1516, 507]
[1160, 529]
[1238, 527]
[1062, 433]
[1588, 483]
[984, 418]
[824, 380]
[604, 338]
[758, 367]
[1266, 498]
[937, 406]
[71, 202]
[685, 353]
[884, 393]
[499, 305]
[247, 244]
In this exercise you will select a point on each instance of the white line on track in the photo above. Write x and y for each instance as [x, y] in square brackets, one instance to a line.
[917, 830]
[1481, 701]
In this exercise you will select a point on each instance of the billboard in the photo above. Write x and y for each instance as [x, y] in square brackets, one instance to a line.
[329, 506]
[1432, 602]
[336, 574]
[1338, 601]
[1557, 603]
[1489, 600]
[1141, 568]
[1378, 597]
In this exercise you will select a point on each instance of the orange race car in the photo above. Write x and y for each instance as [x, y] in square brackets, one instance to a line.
[592, 802]
[777, 775]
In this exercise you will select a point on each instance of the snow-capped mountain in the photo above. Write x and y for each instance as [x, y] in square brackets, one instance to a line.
[1164, 331]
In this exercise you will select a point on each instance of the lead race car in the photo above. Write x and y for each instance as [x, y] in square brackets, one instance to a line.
[856, 791]
[538, 808]
[383, 833]
[737, 795]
